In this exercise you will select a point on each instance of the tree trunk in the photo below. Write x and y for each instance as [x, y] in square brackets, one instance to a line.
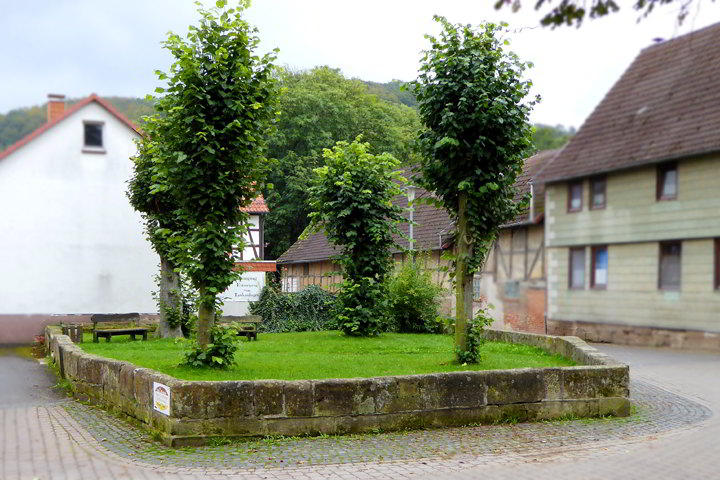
[463, 281]
[170, 299]
[206, 318]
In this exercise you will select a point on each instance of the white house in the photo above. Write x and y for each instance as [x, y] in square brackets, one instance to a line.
[71, 245]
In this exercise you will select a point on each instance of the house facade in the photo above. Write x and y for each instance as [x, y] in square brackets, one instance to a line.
[632, 214]
[71, 244]
[237, 298]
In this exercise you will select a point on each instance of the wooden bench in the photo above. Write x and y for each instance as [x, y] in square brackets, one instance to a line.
[108, 333]
[247, 325]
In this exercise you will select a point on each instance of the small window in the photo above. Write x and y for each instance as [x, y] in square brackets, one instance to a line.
[717, 263]
[599, 278]
[577, 268]
[667, 182]
[306, 269]
[93, 135]
[597, 193]
[670, 263]
[575, 197]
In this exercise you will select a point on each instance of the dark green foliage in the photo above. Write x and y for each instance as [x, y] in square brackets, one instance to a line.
[393, 92]
[309, 310]
[475, 339]
[17, 123]
[319, 108]
[414, 299]
[573, 12]
[211, 128]
[546, 137]
[472, 99]
[351, 201]
[219, 353]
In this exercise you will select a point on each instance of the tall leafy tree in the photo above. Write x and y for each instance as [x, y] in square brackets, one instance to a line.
[472, 99]
[217, 111]
[319, 108]
[351, 199]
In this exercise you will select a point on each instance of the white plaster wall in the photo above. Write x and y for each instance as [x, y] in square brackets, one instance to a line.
[69, 240]
[253, 222]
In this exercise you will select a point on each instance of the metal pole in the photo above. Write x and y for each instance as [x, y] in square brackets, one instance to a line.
[411, 199]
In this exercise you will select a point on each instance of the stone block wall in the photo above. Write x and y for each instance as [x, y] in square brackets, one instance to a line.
[199, 410]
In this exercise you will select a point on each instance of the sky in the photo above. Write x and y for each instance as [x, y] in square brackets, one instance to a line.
[78, 47]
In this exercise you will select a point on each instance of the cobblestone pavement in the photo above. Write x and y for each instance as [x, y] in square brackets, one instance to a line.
[672, 434]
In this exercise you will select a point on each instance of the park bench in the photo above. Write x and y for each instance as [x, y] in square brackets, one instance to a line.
[247, 325]
[127, 327]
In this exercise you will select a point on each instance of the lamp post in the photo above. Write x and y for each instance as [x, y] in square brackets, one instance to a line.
[411, 198]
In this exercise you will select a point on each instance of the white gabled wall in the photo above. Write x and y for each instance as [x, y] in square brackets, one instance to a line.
[69, 240]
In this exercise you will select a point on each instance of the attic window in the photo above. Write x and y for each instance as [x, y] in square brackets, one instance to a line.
[93, 137]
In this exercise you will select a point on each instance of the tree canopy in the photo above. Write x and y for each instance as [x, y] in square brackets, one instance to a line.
[546, 137]
[216, 113]
[318, 108]
[351, 200]
[573, 12]
[472, 100]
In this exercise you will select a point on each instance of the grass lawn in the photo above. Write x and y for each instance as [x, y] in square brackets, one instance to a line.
[316, 355]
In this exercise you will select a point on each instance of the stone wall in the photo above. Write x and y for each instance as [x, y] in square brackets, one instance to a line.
[199, 410]
[636, 335]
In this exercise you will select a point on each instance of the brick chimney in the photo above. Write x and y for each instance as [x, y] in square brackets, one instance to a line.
[55, 106]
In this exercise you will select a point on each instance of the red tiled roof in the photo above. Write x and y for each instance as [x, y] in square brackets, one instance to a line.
[666, 106]
[47, 126]
[257, 206]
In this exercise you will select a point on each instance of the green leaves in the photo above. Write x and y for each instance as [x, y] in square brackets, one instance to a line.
[474, 103]
[219, 353]
[351, 201]
[202, 159]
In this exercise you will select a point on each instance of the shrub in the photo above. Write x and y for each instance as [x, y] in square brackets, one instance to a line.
[219, 353]
[475, 338]
[351, 199]
[309, 310]
[414, 300]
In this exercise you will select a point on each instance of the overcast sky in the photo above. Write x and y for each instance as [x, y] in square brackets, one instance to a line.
[77, 47]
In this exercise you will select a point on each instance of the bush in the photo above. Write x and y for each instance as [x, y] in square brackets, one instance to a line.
[309, 310]
[414, 300]
[219, 353]
[475, 338]
[362, 307]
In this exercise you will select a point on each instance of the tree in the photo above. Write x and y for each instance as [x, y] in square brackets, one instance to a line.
[546, 137]
[319, 108]
[472, 100]
[569, 12]
[351, 199]
[158, 209]
[217, 111]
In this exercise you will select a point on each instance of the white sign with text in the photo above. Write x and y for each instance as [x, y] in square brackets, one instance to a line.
[161, 398]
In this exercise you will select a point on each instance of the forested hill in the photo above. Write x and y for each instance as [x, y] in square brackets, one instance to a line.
[17, 123]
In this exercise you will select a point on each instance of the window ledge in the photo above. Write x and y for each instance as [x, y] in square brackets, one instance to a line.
[94, 150]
